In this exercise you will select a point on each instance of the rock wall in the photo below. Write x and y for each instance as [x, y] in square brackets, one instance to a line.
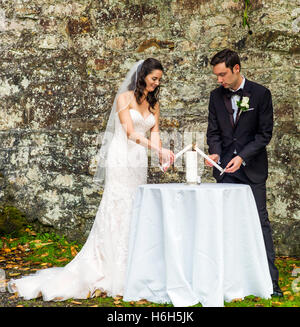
[62, 61]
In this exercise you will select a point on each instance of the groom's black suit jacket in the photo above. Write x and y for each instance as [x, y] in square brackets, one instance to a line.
[250, 134]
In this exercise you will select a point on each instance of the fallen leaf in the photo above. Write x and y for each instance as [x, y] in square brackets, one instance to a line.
[62, 260]
[118, 297]
[73, 251]
[142, 302]
[14, 274]
[97, 293]
[276, 304]
[16, 295]
[291, 298]
[39, 245]
[237, 300]
[30, 232]
[75, 302]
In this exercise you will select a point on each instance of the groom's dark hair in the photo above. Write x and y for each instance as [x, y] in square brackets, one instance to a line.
[230, 57]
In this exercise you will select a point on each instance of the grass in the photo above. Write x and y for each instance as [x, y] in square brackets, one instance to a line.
[33, 251]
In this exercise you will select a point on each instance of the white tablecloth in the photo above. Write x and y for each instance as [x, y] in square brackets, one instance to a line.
[196, 243]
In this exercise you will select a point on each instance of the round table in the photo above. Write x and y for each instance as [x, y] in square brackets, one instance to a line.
[196, 243]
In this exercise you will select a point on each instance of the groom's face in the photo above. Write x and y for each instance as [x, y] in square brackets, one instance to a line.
[226, 77]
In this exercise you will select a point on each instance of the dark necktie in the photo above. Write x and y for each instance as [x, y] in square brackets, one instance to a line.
[230, 94]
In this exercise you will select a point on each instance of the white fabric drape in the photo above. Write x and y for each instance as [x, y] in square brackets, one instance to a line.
[196, 243]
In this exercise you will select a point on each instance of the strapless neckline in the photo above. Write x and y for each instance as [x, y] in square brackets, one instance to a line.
[151, 114]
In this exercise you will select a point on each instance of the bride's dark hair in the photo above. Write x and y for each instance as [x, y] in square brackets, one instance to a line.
[138, 84]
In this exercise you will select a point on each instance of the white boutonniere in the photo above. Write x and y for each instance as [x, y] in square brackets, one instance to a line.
[243, 104]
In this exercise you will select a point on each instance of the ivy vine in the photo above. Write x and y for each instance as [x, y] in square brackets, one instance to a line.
[245, 16]
[245, 21]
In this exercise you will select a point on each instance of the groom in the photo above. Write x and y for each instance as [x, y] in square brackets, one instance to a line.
[240, 123]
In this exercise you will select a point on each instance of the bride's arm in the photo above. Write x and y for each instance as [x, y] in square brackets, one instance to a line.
[155, 136]
[126, 121]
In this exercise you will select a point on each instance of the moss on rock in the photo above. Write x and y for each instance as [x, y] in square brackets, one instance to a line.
[12, 221]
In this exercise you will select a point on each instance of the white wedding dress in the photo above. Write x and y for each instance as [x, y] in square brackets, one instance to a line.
[101, 263]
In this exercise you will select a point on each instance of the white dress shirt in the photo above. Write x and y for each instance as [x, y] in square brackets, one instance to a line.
[236, 98]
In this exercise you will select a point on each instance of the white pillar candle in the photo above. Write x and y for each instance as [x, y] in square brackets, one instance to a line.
[191, 167]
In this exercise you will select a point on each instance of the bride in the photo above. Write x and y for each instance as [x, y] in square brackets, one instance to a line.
[122, 166]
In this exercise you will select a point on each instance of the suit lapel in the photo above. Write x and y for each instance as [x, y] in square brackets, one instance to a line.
[228, 106]
[246, 93]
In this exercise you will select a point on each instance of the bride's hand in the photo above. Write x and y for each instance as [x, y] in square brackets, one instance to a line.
[167, 157]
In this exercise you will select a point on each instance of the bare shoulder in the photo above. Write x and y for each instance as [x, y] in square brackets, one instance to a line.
[124, 99]
[126, 95]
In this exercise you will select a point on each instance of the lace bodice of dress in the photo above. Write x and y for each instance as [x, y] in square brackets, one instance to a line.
[141, 124]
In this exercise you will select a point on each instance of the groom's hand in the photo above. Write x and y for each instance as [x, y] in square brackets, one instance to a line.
[214, 157]
[234, 164]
